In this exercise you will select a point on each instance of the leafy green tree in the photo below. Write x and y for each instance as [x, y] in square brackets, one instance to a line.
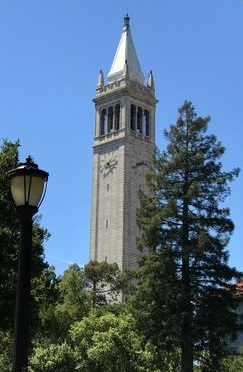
[73, 291]
[186, 228]
[107, 342]
[233, 363]
[5, 351]
[66, 303]
[52, 358]
[73, 303]
[76, 292]
[46, 295]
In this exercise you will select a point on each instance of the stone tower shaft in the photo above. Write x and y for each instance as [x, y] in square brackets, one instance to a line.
[123, 148]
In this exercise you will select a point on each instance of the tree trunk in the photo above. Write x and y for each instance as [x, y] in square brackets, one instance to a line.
[186, 334]
[187, 317]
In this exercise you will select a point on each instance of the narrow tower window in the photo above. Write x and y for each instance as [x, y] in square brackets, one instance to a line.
[140, 120]
[133, 117]
[117, 117]
[103, 120]
[146, 122]
[110, 119]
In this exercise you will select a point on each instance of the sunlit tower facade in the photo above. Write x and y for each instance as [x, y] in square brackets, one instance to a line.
[123, 148]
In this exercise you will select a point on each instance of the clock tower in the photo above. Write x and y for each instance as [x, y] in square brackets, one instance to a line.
[123, 148]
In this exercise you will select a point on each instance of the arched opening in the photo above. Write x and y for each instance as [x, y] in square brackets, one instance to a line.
[133, 117]
[117, 116]
[103, 122]
[146, 123]
[140, 120]
[110, 119]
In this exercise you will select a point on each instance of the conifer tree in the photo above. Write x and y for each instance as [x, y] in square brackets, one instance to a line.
[9, 230]
[184, 299]
[9, 246]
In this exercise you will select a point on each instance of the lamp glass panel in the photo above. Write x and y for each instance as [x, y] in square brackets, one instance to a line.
[37, 187]
[18, 191]
[26, 192]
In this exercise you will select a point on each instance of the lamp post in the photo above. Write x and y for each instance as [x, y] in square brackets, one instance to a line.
[28, 186]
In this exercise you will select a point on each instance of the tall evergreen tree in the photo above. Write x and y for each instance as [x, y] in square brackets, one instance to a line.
[9, 234]
[185, 280]
[9, 246]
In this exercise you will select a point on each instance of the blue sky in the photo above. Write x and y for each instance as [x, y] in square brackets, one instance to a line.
[50, 56]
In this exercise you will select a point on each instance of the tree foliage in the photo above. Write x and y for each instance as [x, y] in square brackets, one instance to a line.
[52, 358]
[184, 286]
[182, 305]
[5, 351]
[233, 363]
[104, 282]
[108, 342]
[9, 235]
[42, 277]
[72, 302]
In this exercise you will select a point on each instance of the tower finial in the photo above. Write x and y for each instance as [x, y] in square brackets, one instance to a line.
[150, 83]
[100, 84]
[126, 20]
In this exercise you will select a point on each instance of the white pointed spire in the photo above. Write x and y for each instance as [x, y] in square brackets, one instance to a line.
[126, 54]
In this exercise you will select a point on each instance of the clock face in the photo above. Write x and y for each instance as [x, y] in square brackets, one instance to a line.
[108, 164]
[139, 160]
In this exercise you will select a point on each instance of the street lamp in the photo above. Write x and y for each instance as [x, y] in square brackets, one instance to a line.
[28, 186]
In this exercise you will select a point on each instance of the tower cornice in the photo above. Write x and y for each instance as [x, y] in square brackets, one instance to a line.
[127, 87]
